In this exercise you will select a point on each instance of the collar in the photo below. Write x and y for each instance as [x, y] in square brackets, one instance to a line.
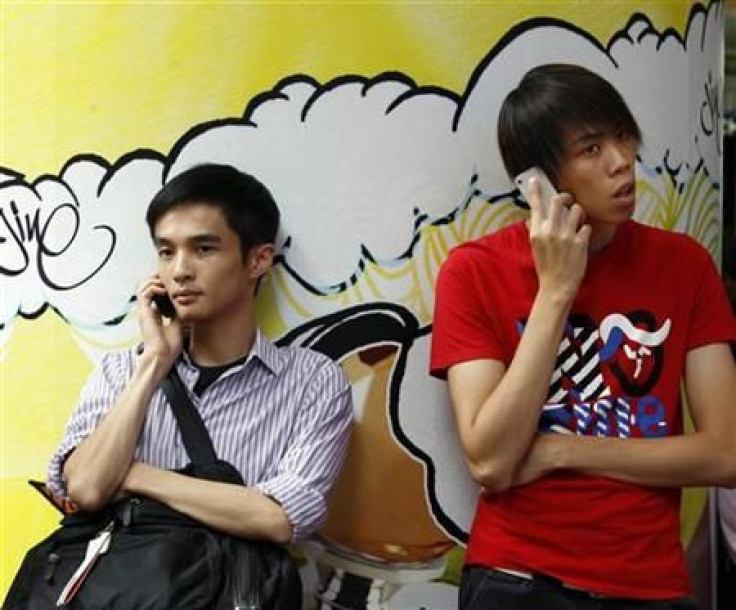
[262, 349]
[270, 355]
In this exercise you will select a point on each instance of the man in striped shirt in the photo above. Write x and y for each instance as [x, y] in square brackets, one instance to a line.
[281, 416]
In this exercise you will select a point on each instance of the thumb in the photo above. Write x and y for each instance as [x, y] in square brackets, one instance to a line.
[583, 235]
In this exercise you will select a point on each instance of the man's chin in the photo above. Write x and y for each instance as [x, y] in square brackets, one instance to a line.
[189, 317]
[625, 212]
[616, 219]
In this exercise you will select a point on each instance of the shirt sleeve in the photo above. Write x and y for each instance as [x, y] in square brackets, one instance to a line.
[307, 471]
[97, 396]
[712, 319]
[727, 512]
[462, 329]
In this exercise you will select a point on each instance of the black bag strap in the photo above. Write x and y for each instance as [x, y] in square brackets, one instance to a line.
[194, 435]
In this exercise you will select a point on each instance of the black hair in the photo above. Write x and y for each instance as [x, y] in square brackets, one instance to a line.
[549, 101]
[246, 204]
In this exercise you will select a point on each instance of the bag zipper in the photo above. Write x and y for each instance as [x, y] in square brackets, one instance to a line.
[52, 561]
[126, 518]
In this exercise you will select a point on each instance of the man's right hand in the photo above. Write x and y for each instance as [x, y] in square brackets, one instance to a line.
[163, 339]
[559, 241]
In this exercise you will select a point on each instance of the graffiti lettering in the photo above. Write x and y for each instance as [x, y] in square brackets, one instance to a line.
[710, 111]
[52, 235]
[17, 235]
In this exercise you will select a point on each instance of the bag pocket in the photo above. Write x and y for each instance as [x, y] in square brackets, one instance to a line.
[46, 568]
[155, 568]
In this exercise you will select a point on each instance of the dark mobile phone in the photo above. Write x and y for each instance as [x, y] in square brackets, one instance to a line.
[164, 305]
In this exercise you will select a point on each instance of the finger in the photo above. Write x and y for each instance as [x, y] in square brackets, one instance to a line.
[565, 200]
[583, 235]
[174, 329]
[153, 280]
[157, 282]
[151, 288]
[558, 210]
[573, 219]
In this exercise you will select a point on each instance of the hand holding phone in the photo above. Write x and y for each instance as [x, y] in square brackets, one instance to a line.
[161, 328]
[560, 247]
[547, 190]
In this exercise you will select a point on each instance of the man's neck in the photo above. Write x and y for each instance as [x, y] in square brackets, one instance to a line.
[600, 237]
[222, 341]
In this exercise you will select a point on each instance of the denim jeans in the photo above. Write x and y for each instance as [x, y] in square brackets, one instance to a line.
[482, 589]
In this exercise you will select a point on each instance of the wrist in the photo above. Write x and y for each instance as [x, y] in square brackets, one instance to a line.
[135, 482]
[129, 484]
[556, 452]
[557, 296]
[552, 307]
[152, 365]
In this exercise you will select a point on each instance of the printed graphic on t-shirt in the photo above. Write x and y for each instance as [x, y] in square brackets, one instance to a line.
[604, 377]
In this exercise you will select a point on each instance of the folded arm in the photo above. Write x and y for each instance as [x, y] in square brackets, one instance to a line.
[707, 456]
[290, 503]
[94, 470]
[234, 509]
[497, 409]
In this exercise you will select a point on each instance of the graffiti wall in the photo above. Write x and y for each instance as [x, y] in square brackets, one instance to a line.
[374, 127]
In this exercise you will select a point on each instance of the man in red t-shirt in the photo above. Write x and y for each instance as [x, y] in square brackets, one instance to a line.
[564, 340]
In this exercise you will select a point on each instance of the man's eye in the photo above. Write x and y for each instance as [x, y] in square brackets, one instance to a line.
[205, 249]
[164, 253]
[592, 150]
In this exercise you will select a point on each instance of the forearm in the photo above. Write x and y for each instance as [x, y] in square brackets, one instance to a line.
[234, 509]
[505, 424]
[677, 461]
[706, 456]
[96, 468]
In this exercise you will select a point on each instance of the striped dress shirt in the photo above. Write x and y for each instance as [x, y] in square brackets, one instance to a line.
[282, 419]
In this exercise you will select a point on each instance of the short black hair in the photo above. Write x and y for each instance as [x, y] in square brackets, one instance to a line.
[246, 204]
[549, 101]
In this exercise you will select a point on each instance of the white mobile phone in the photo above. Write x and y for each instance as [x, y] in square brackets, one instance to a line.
[522, 183]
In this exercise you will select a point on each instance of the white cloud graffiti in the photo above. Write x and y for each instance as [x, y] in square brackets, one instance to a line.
[351, 163]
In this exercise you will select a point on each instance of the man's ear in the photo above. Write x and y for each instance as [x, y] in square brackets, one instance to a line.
[260, 260]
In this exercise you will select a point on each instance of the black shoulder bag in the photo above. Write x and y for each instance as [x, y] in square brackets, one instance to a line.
[139, 554]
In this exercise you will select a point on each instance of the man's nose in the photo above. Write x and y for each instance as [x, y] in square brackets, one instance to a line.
[620, 154]
[182, 268]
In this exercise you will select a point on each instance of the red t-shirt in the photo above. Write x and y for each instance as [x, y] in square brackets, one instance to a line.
[646, 299]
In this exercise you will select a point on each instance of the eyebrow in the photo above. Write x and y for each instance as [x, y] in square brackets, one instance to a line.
[203, 238]
[586, 137]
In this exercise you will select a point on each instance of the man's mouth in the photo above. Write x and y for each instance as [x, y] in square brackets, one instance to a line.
[624, 191]
[185, 296]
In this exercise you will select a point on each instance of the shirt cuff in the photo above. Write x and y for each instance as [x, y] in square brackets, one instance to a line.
[55, 474]
[305, 508]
